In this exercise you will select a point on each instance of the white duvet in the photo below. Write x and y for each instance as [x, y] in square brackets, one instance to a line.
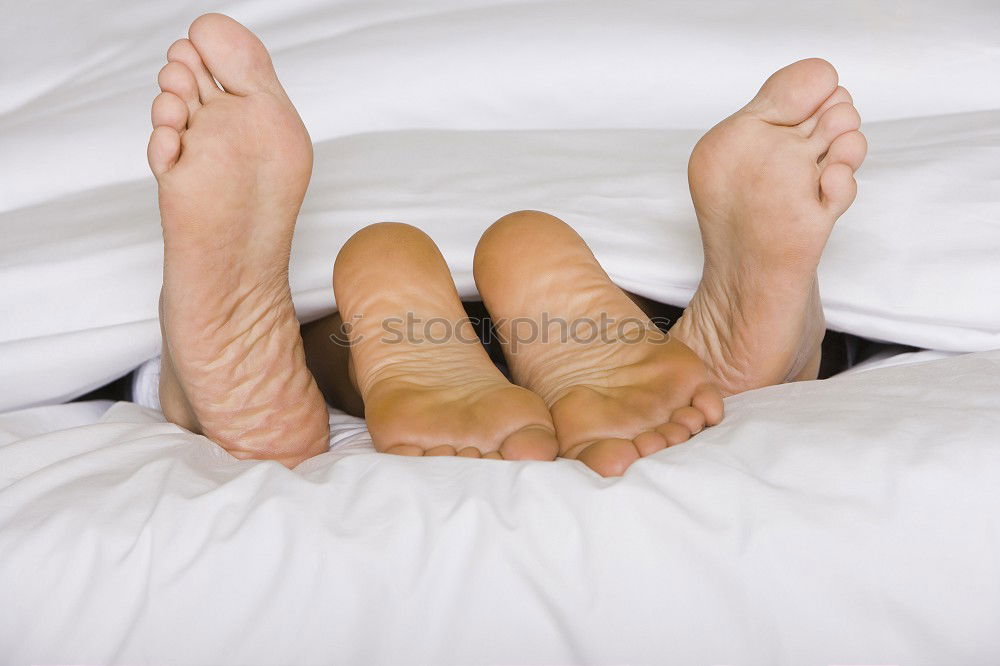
[849, 521]
[448, 114]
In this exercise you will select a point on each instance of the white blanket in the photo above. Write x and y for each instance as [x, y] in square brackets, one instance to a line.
[848, 521]
[76, 79]
[914, 261]
[81, 274]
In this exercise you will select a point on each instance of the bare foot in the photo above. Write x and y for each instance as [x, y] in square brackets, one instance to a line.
[618, 388]
[768, 183]
[428, 384]
[232, 167]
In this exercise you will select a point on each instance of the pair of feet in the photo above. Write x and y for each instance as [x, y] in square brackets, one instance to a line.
[595, 379]
[233, 160]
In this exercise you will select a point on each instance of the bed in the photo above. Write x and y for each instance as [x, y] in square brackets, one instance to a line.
[850, 520]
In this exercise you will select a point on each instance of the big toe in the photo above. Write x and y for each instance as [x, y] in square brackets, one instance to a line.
[233, 54]
[793, 93]
[608, 457]
[531, 443]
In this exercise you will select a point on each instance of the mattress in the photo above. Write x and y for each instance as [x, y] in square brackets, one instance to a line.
[854, 520]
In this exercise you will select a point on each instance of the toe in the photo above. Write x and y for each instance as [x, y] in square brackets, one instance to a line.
[176, 78]
[674, 433]
[531, 443]
[183, 51]
[169, 111]
[470, 452]
[837, 187]
[608, 457]
[708, 400]
[689, 417]
[443, 450]
[163, 150]
[849, 149]
[838, 119]
[493, 455]
[650, 442]
[405, 450]
[233, 54]
[793, 93]
[839, 96]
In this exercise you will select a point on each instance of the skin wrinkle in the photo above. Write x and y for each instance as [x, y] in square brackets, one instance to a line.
[232, 351]
[404, 374]
[601, 393]
[756, 319]
[395, 361]
[598, 373]
[235, 350]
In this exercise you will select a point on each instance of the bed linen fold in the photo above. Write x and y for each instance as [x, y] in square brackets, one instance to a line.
[914, 261]
[853, 520]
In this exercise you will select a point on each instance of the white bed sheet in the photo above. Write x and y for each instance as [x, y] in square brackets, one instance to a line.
[847, 521]
[914, 261]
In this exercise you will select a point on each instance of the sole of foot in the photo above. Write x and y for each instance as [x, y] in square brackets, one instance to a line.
[768, 184]
[232, 164]
[617, 387]
[428, 384]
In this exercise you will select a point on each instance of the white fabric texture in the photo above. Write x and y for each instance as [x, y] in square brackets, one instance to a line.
[81, 274]
[618, 91]
[854, 520]
[76, 79]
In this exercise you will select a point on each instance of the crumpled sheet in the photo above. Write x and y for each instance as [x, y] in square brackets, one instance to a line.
[852, 520]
